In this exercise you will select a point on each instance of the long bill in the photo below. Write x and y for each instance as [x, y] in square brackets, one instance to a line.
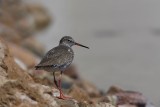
[81, 45]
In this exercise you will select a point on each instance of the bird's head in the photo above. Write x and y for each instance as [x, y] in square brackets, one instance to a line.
[69, 41]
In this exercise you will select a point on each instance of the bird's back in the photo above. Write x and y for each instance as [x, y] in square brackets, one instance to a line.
[57, 58]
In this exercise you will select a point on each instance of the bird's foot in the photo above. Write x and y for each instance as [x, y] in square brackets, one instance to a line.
[63, 97]
[60, 95]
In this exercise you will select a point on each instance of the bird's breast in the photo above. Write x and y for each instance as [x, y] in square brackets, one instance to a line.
[70, 51]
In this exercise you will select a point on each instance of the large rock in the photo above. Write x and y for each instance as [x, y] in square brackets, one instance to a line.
[125, 98]
[19, 89]
[8, 65]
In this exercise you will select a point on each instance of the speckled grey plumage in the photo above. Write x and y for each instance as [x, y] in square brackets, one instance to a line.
[57, 58]
[60, 57]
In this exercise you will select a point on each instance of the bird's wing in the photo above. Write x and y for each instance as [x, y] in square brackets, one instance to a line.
[56, 57]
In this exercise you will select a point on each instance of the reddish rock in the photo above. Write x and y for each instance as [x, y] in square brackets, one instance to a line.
[123, 97]
[113, 90]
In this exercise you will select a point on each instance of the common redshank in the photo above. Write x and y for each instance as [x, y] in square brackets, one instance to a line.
[59, 59]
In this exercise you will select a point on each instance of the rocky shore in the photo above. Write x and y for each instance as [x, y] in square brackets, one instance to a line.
[22, 86]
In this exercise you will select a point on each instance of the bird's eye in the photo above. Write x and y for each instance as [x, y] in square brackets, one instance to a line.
[69, 41]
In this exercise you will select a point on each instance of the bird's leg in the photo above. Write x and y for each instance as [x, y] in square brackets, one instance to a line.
[55, 81]
[60, 89]
[58, 85]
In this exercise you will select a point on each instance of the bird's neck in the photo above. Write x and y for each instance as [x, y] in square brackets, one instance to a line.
[67, 45]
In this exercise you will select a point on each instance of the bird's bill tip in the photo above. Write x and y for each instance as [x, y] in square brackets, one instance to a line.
[81, 45]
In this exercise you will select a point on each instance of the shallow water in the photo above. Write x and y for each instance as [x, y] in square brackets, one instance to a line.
[123, 36]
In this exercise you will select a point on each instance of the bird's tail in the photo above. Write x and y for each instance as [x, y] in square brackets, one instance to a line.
[37, 67]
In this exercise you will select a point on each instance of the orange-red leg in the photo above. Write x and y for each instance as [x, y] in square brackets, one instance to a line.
[58, 85]
[62, 96]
